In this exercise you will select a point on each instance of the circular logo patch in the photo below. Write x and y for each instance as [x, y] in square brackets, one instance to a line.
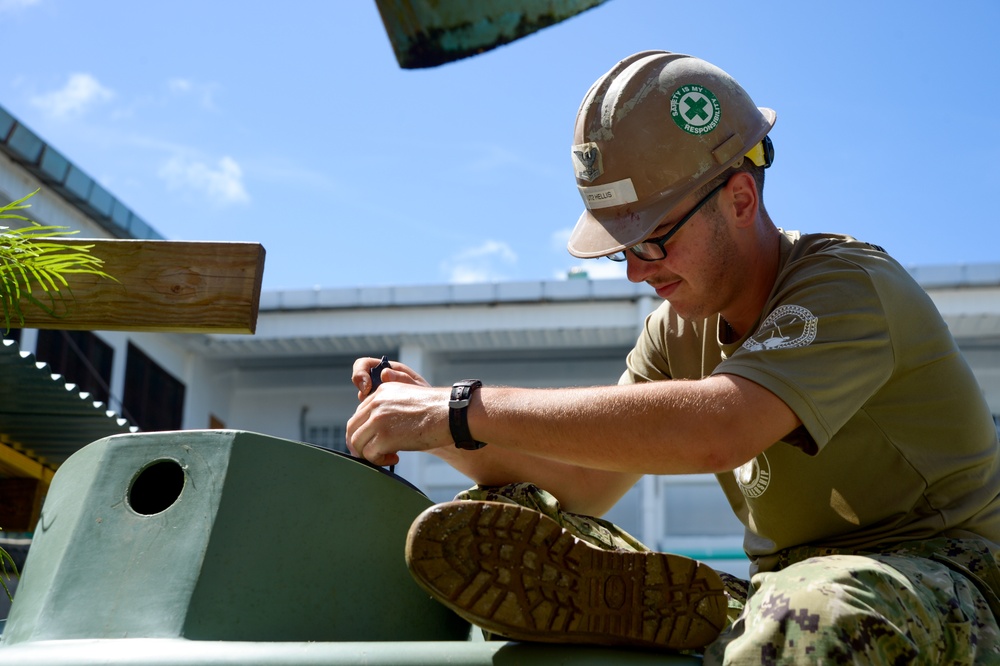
[788, 326]
[754, 476]
[695, 109]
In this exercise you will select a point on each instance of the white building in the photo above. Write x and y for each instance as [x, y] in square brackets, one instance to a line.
[292, 378]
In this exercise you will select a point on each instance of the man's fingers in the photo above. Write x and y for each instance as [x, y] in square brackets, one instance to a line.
[362, 438]
[368, 449]
[361, 375]
[384, 459]
[358, 432]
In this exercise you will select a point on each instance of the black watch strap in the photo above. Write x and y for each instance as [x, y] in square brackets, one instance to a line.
[458, 414]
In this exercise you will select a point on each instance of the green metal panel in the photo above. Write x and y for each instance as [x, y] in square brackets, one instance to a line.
[77, 184]
[53, 164]
[120, 214]
[46, 416]
[25, 144]
[100, 200]
[427, 33]
[6, 124]
[138, 228]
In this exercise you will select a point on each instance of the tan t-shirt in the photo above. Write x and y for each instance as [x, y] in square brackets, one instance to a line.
[897, 441]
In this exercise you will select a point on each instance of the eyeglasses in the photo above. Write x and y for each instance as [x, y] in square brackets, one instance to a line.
[652, 249]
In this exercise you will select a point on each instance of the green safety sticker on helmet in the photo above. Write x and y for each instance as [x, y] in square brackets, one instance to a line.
[695, 109]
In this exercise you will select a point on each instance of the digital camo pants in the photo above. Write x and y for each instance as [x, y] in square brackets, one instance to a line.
[930, 602]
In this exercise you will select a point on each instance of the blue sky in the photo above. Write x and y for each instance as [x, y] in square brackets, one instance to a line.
[291, 124]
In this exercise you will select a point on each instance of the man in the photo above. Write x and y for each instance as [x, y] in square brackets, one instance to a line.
[809, 372]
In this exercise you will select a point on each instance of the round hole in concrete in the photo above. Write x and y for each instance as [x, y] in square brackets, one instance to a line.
[156, 487]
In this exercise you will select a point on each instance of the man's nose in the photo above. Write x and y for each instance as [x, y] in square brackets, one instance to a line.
[636, 269]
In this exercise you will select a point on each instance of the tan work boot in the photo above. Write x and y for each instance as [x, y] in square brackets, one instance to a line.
[516, 572]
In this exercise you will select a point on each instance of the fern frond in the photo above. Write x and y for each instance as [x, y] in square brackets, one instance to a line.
[7, 569]
[29, 261]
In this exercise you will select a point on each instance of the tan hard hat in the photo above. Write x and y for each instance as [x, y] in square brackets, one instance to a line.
[650, 132]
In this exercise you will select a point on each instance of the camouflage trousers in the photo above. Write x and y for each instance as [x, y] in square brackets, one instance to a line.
[925, 602]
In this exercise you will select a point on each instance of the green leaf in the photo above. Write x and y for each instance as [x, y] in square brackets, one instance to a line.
[28, 262]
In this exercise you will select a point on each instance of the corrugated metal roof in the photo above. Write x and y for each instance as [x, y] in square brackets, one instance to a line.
[476, 293]
[580, 313]
[44, 417]
[236, 348]
[47, 164]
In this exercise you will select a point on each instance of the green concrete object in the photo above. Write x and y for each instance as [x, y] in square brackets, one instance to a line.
[227, 547]
[179, 652]
[223, 535]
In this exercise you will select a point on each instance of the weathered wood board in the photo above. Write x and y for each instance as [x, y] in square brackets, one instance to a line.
[162, 286]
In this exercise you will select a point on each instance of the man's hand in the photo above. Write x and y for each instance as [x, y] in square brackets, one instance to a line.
[396, 372]
[399, 416]
[388, 420]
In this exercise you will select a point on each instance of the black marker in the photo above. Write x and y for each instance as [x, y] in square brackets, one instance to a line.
[376, 376]
[376, 373]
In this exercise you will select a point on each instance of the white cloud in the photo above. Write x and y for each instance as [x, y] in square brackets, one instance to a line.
[179, 85]
[470, 275]
[483, 263]
[79, 93]
[204, 91]
[490, 248]
[9, 5]
[595, 269]
[223, 185]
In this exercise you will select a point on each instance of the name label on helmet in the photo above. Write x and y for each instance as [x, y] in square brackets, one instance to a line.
[617, 193]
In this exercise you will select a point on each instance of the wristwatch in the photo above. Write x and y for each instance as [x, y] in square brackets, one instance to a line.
[458, 414]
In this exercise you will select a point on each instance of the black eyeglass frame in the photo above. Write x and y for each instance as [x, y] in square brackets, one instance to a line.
[660, 241]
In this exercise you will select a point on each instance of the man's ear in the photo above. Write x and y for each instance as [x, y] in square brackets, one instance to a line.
[744, 199]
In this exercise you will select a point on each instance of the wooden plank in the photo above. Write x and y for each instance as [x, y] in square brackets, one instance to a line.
[163, 286]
